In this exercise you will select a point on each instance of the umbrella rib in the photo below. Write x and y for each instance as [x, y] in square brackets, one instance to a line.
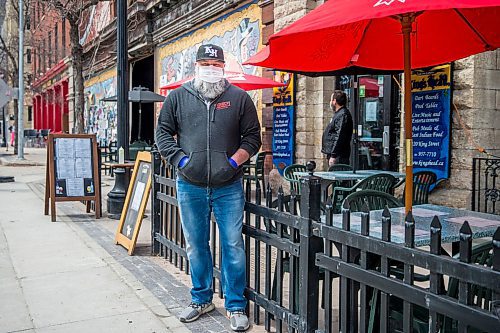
[471, 27]
[361, 40]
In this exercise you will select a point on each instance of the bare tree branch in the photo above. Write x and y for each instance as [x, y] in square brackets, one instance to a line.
[9, 54]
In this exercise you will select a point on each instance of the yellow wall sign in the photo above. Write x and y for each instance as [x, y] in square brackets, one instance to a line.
[437, 78]
[283, 96]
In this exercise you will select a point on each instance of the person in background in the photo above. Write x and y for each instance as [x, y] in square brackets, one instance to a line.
[216, 130]
[336, 143]
[12, 130]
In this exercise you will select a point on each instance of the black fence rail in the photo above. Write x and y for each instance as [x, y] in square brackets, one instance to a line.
[368, 284]
[392, 296]
[485, 185]
[275, 237]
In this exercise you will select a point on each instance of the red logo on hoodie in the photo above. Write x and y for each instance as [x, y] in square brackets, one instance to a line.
[222, 105]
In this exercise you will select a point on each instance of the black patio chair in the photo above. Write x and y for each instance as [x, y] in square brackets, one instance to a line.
[44, 134]
[255, 171]
[422, 182]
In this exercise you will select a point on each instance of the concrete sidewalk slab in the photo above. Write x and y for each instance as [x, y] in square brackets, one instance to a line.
[14, 314]
[141, 321]
[79, 295]
[34, 259]
[55, 278]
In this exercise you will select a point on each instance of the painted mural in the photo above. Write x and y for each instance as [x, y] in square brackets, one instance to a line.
[238, 33]
[94, 20]
[100, 117]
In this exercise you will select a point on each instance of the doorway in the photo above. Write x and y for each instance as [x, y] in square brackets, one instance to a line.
[374, 104]
[143, 75]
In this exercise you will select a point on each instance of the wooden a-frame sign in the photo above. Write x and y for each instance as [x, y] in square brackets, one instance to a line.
[135, 202]
[72, 171]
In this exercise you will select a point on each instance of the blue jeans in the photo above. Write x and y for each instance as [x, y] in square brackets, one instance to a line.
[227, 203]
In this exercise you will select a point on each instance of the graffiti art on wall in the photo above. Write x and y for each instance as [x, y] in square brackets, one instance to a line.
[94, 20]
[100, 117]
[237, 33]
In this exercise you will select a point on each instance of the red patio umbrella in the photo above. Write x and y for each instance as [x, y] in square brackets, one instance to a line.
[385, 35]
[244, 81]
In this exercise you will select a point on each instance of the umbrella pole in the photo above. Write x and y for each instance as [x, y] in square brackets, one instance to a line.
[406, 22]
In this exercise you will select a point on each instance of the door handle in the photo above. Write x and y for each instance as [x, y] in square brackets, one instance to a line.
[385, 140]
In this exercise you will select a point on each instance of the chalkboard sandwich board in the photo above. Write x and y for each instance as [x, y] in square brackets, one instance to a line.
[72, 171]
[135, 203]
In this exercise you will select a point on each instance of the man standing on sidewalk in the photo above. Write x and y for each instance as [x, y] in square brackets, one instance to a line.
[217, 130]
[338, 134]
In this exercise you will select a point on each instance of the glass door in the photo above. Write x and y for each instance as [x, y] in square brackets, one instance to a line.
[370, 129]
[374, 104]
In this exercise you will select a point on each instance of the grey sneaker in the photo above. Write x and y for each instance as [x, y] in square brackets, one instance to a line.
[239, 321]
[193, 311]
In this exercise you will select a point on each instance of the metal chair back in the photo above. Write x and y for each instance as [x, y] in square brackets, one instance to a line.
[422, 182]
[382, 182]
[340, 167]
[290, 174]
[374, 199]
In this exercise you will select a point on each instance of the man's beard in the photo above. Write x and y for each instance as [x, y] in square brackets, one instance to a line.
[209, 90]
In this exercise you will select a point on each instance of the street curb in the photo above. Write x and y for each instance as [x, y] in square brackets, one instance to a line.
[21, 163]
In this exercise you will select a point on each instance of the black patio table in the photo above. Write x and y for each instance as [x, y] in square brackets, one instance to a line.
[328, 177]
[482, 224]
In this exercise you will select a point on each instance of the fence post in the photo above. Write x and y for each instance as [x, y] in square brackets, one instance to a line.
[309, 246]
[473, 199]
[155, 203]
[495, 304]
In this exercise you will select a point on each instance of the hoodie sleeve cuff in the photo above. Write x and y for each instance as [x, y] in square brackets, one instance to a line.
[174, 161]
[249, 149]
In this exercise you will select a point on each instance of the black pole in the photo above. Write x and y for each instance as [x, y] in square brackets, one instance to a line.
[122, 78]
[116, 197]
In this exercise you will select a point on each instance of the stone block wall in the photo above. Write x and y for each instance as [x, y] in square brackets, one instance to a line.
[475, 124]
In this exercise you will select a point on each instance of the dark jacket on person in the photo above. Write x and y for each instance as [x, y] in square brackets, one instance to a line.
[209, 132]
[338, 134]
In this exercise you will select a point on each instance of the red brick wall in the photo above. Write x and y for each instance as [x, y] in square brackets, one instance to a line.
[50, 44]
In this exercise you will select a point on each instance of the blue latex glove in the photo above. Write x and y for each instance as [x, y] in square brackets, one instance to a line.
[183, 161]
[233, 163]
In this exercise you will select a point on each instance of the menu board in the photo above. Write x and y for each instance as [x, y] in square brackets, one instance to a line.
[431, 99]
[135, 202]
[73, 167]
[283, 121]
[72, 171]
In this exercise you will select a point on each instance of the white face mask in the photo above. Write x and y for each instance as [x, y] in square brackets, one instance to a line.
[210, 74]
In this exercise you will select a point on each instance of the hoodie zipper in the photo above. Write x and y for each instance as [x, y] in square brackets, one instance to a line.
[208, 142]
[209, 120]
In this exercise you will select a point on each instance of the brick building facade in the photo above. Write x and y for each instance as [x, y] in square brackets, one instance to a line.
[52, 75]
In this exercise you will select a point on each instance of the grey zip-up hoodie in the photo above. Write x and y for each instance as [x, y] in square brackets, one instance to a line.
[208, 132]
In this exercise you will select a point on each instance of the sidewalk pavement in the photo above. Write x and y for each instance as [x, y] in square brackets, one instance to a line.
[69, 276]
[32, 157]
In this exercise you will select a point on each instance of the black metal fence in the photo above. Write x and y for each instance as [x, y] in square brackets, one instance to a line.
[367, 284]
[486, 185]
